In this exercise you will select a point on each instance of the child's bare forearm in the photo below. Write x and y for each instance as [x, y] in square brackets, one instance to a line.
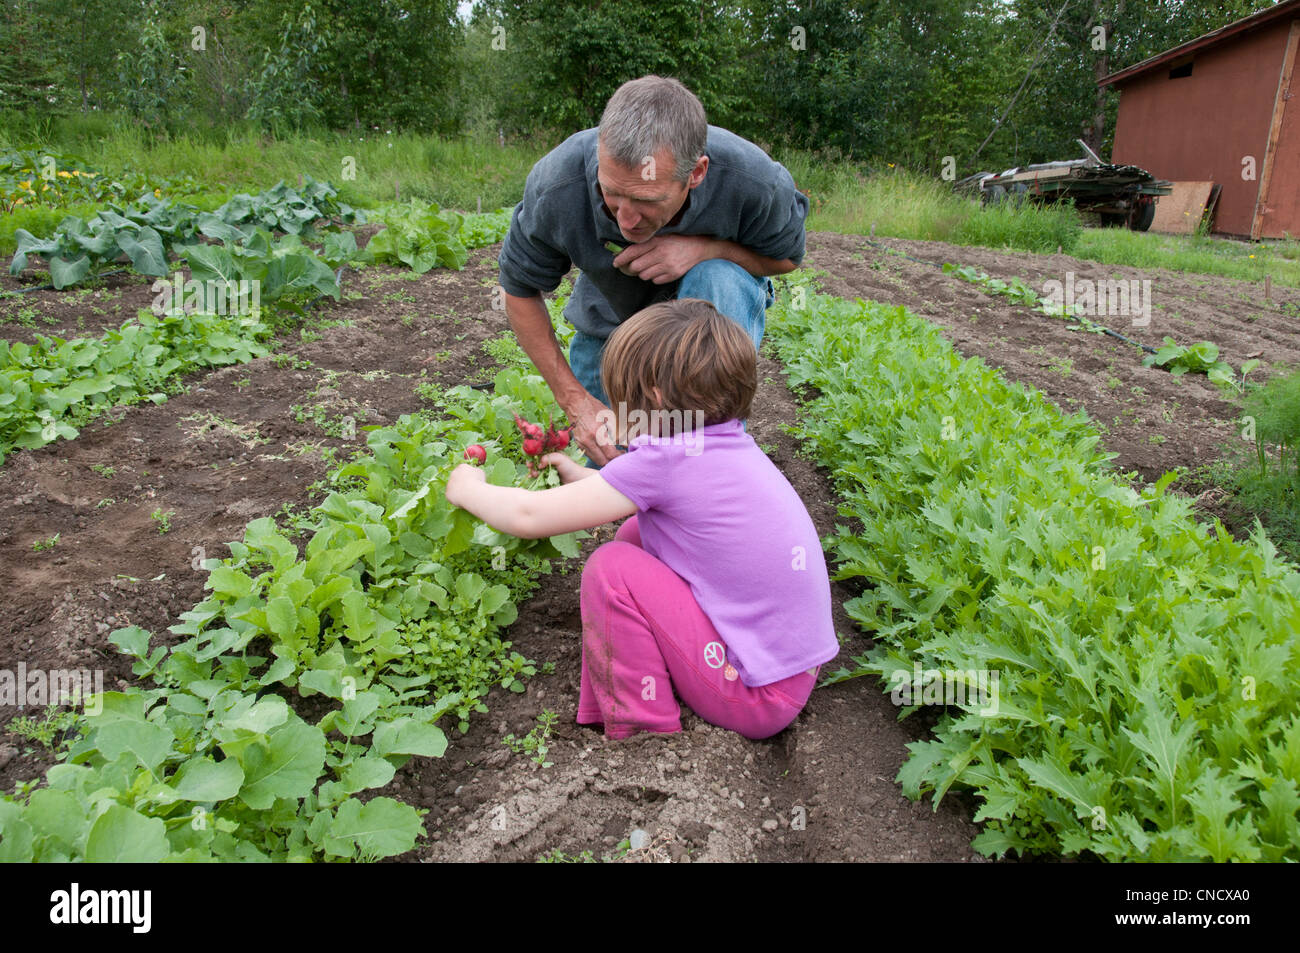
[532, 514]
[501, 507]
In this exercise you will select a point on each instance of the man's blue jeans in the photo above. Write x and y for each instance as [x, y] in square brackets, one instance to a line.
[733, 291]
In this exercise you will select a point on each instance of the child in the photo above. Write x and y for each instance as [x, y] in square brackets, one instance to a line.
[716, 588]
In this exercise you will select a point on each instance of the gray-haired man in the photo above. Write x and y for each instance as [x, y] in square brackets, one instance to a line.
[703, 212]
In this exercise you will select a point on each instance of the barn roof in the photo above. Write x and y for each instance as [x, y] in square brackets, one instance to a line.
[1223, 34]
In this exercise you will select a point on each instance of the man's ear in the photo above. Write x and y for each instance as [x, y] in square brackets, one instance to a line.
[697, 173]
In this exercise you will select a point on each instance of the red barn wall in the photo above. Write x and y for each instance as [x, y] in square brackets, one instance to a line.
[1199, 127]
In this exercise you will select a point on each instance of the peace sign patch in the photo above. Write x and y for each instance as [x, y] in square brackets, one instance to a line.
[715, 655]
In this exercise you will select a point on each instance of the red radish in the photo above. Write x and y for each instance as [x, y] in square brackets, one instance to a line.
[559, 439]
[533, 446]
[527, 429]
[476, 453]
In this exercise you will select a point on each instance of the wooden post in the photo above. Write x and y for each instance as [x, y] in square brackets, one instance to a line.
[1268, 289]
[480, 204]
[1275, 129]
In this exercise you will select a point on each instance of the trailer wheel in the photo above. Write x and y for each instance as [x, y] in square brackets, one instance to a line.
[1142, 216]
[995, 195]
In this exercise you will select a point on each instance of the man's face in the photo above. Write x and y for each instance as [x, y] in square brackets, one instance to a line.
[644, 199]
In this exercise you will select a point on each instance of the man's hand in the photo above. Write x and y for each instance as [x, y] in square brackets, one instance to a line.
[664, 258]
[591, 431]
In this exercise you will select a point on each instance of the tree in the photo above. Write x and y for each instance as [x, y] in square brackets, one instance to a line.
[91, 33]
[28, 71]
[563, 59]
[389, 63]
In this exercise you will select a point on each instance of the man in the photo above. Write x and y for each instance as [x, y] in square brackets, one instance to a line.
[703, 213]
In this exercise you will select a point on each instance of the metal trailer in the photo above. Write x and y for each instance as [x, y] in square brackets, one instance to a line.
[1119, 194]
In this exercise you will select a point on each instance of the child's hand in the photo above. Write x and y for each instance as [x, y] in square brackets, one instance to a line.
[569, 469]
[462, 481]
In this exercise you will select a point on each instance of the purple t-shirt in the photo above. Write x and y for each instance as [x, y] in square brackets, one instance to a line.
[717, 511]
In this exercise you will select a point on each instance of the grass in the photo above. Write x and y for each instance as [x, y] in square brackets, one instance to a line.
[1194, 253]
[845, 196]
[453, 173]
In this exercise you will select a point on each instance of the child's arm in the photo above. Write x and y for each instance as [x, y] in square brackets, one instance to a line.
[581, 503]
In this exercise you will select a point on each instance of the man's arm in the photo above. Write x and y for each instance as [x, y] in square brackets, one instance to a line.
[757, 265]
[666, 258]
[531, 323]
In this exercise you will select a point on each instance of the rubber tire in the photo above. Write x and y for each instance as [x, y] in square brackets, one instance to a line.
[1142, 217]
[995, 195]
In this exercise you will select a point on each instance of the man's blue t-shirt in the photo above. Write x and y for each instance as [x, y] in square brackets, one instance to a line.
[745, 197]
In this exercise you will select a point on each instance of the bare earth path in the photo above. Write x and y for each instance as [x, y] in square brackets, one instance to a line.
[233, 449]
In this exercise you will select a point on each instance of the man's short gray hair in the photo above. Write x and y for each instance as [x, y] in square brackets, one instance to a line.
[646, 114]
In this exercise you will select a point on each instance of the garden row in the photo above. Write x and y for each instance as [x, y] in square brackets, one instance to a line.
[305, 680]
[1121, 681]
[48, 389]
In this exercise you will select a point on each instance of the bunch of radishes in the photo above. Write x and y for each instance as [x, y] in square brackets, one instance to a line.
[536, 441]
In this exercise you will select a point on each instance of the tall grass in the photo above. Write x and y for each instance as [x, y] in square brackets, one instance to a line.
[1247, 261]
[852, 200]
[845, 196]
[456, 174]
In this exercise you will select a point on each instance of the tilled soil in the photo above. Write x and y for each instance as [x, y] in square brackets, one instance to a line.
[232, 448]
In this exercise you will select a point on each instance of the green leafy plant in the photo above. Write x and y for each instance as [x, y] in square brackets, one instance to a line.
[53, 730]
[535, 742]
[41, 545]
[1149, 676]
[164, 520]
[418, 236]
[146, 231]
[51, 387]
[1275, 410]
[395, 597]
[1199, 358]
[484, 228]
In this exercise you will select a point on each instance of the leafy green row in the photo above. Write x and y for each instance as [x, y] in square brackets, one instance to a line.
[1147, 699]
[50, 387]
[146, 231]
[390, 618]
[485, 228]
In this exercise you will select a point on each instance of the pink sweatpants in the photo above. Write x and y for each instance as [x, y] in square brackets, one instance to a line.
[644, 636]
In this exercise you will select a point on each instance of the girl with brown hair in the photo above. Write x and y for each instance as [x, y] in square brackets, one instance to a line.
[715, 590]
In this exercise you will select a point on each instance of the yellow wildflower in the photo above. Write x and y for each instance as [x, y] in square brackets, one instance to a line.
[65, 175]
